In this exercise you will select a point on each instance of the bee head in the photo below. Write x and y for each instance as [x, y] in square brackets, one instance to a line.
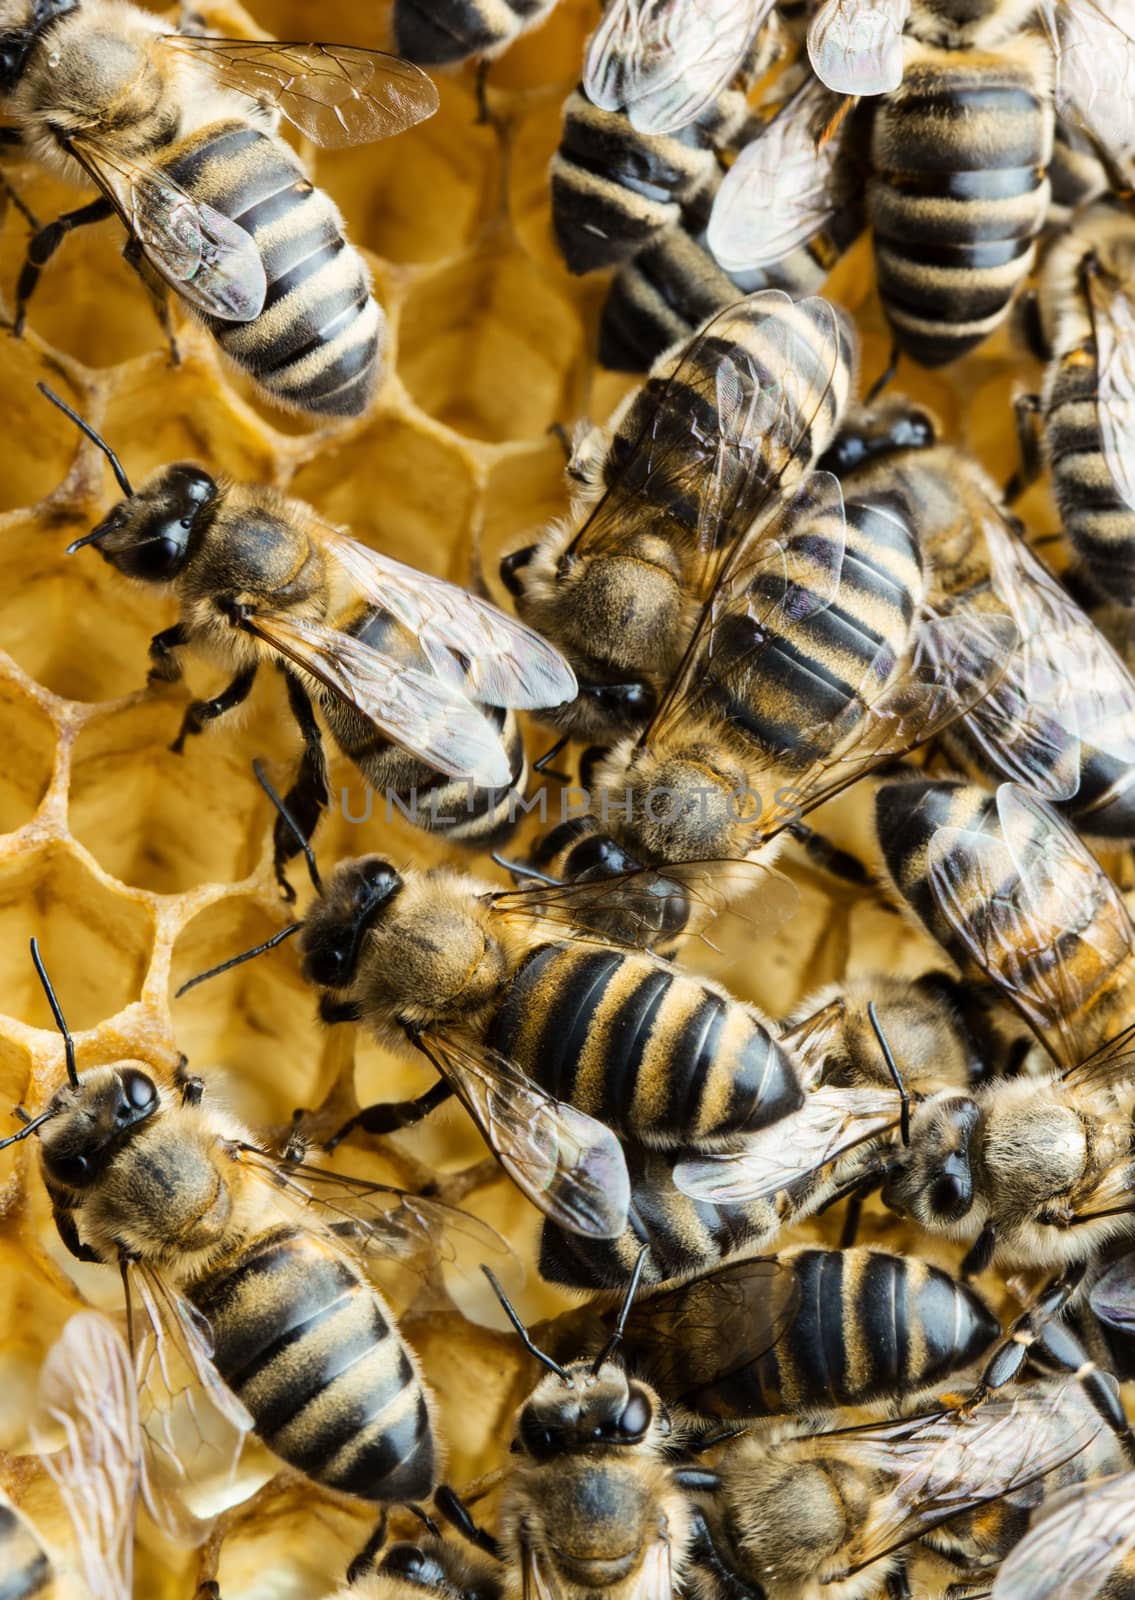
[934, 1183]
[332, 936]
[885, 429]
[89, 1121]
[585, 1410]
[23, 24]
[435, 1567]
[149, 535]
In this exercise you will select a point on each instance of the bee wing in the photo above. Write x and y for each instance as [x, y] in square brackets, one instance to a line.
[1095, 69]
[87, 1389]
[470, 643]
[335, 94]
[958, 1460]
[1075, 1546]
[569, 1165]
[855, 46]
[699, 454]
[427, 716]
[832, 1122]
[782, 190]
[206, 258]
[1013, 897]
[1113, 322]
[1064, 686]
[664, 61]
[537, 1582]
[1112, 1298]
[655, 1578]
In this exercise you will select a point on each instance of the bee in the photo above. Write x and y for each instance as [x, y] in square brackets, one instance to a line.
[179, 136]
[1086, 309]
[394, 658]
[414, 1570]
[618, 586]
[1037, 1171]
[86, 1389]
[592, 1499]
[1061, 718]
[1082, 1543]
[802, 1514]
[247, 1271]
[443, 32]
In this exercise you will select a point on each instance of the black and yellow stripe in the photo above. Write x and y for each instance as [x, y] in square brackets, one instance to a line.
[24, 1567]
[438, 32]
[1097, 520]
[315, 346]
[659, 1057]
[959, 192]
[309, 1347]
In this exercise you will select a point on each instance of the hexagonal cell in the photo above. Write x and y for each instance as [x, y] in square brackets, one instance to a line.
[492, 347]
[421, 203]
[139, 808]
[46, 440]
[28, 740]
[526, 491]
[534, 140]
[95, 941]
[420, 484]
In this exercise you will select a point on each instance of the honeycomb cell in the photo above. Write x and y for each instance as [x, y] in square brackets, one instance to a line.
[419, 483]
[525, 491]
[534, 141]
[27, 739]
[41, 440]
[32, 1314]
[138, 807]
[95, 940]
[492, 347]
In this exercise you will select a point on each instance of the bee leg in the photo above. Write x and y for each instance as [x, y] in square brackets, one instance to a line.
[703, 1551]
[1026, 410]
[164, 665]
[456, 1512]
[884, 377]
[200, 712]
[158, 291]
[392, 1115]
[15, 197]
[980, 1252]
[364, 1561]
[483, 115]
[188, 1084]
[697, 1480]
[825, 855]
[69, 1233]
[306, 800]
[897, 1586]
[44, 245]
[209, 1590]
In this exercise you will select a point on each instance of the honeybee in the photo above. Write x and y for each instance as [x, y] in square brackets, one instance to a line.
[432, 1567]
[592, 1499]
[1061, 718]
[619, 585]
[179, 136]
[1037, 1171]
[246, 1271]
[837, 1513]
[1081, 1544]
[442, 32]
[394, 658]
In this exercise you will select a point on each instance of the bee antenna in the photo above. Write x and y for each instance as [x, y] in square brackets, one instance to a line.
[30, 1126]
[56, 1011]
[236, 961]
[513, 1316]
[304, 842]
[896, 1076]
[85, 427]
[615, 1340]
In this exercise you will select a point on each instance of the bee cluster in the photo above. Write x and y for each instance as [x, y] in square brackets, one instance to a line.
[607, 1069]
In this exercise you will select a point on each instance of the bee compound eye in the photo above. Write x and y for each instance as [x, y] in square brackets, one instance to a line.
[71, 1170]
[138, 1090]
[636, 1416]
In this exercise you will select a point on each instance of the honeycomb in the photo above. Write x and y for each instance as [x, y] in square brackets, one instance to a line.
[136, 868]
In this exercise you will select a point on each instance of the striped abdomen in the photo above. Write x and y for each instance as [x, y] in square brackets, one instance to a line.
[316, 344]
[683, 1235]
[437, 32]
[841, 1327]
[24, 1567]
[659, 1057]
[310, 1348]
[404, 785]
[1096, 518]
[959, 193]
[797, 681]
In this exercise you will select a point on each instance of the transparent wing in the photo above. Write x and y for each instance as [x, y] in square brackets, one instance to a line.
[944, 1465]
[655, 1578]
[335, 94]
[663, 62]
[470, 643]
[1094, 41]
[1113, 321]
[209, 260]
[855, 46]
[537, 1582]
[781, 191]
[87, 1390]
[1034, 910]
[1075, 1545]
[569, 1165]
[1112, 1298]
[832, 1122]
[746, 378]
[429, 717]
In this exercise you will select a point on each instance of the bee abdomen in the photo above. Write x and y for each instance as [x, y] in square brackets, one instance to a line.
[1099, 522]
[315, 345]
[960, 156]
[309, 1348]
[24, 1568]
[437, 32]
[656, 1055]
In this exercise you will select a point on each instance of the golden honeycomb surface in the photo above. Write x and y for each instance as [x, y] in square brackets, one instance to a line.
[136, 868]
